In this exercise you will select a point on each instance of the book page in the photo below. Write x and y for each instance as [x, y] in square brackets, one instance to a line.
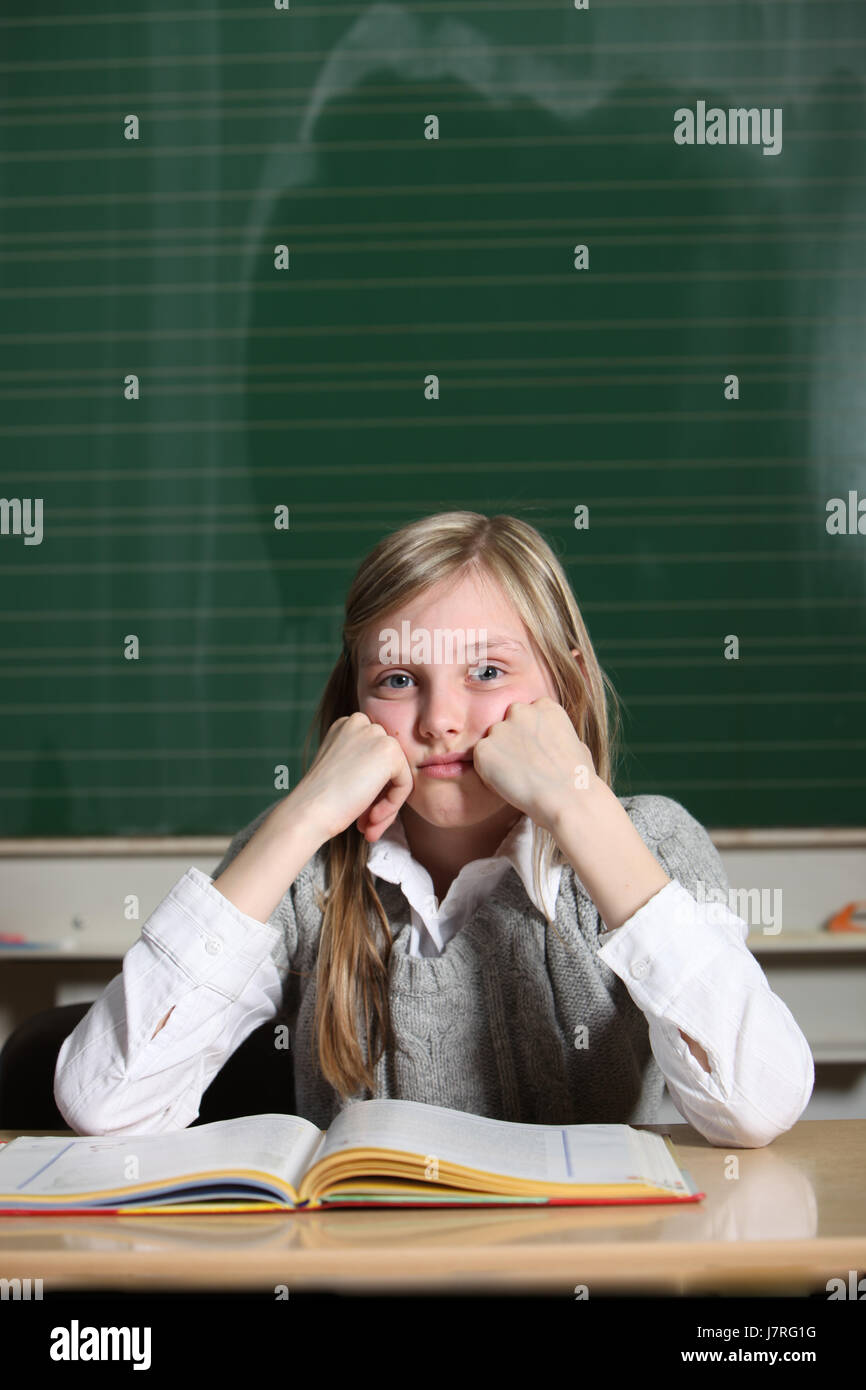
[58, 1166]
[654, 1158]
[542, 1153]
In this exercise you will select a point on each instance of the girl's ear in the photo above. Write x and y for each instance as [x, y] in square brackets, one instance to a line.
[581, 663]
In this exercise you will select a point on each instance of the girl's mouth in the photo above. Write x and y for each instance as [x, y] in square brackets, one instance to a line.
[443, 770]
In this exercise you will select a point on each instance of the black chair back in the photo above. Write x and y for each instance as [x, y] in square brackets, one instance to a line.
[256, 1080]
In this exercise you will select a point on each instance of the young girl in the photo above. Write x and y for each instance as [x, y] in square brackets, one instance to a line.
[460, 909]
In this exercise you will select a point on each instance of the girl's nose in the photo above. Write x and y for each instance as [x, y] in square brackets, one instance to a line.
[443, 710]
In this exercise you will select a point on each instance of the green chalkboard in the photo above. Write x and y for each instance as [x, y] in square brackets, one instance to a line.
[431, 170]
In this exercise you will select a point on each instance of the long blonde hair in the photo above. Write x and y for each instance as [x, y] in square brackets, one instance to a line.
[352, 966]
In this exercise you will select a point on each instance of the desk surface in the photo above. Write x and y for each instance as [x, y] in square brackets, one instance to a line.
[793, 1218]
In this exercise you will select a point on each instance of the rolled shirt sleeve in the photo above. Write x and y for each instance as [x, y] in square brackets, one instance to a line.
[686, 965]
[220, 973]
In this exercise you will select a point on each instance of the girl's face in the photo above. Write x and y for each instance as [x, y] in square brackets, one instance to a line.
[446, 706]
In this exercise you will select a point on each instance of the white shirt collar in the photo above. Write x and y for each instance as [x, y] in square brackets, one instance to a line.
[390, 858]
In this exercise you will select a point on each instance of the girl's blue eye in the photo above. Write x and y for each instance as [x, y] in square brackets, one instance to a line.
[404, 675]
[489, 667]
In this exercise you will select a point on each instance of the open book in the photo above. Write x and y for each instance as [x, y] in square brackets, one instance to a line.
[375, 1153]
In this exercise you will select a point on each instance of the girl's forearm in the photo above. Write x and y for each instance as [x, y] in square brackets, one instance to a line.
[261, 874]
[612, 862]
[608, 855]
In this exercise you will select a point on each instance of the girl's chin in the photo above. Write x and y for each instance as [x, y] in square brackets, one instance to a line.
[444, 799]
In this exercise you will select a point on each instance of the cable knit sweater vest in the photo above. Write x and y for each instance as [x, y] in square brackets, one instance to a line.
[495, 1025]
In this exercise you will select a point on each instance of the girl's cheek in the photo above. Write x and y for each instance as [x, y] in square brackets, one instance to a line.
[377, 713]
[497, 709]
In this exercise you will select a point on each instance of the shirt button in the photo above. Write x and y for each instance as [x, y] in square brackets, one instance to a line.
[640, 968]
[213, 947]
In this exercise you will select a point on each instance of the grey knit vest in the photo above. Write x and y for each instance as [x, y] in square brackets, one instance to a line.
[513, 1020]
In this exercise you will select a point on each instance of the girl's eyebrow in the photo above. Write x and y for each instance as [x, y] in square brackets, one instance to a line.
[496, 643]
[504, 644]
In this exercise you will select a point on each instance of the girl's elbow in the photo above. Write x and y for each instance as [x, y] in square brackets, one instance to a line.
[753, 1132]
[87, 1118]
[108, 1115]
[743, 1123]
[745, 1126]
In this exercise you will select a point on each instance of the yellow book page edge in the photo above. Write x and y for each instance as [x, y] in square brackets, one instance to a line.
[366, 1165]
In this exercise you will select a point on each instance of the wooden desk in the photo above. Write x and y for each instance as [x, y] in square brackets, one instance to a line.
[795, 1217]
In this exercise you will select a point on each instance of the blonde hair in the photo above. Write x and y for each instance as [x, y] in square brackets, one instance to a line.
[352, 966]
